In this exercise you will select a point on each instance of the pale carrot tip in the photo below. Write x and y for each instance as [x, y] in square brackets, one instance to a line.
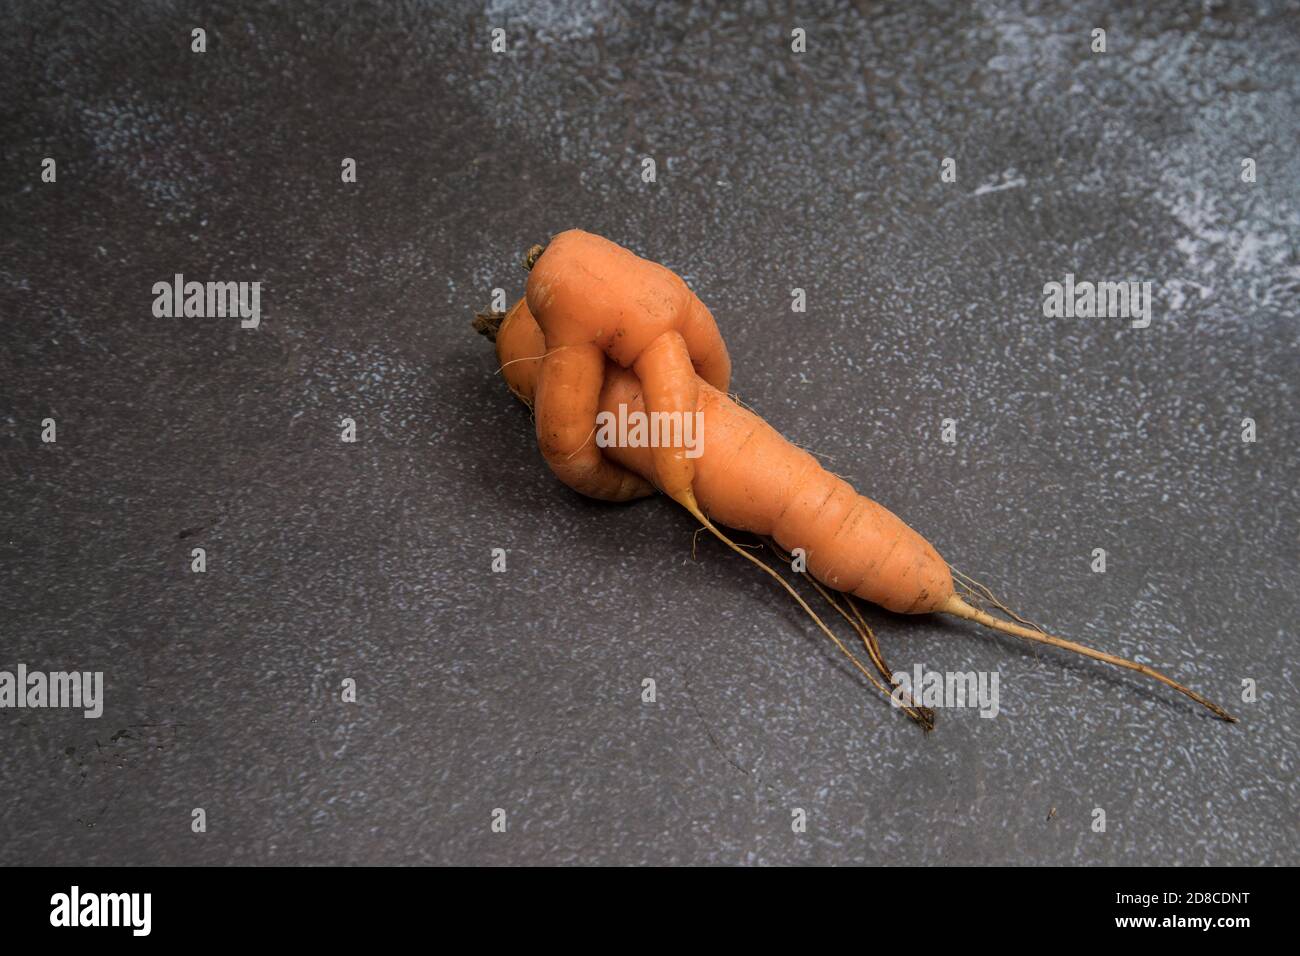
[959, 608]
[687, 500]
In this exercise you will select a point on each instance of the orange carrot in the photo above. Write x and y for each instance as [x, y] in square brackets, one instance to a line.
[752, 479]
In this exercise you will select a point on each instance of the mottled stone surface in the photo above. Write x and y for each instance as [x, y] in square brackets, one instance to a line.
[522, 690]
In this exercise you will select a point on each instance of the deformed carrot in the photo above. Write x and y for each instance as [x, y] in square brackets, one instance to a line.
[755, 480]
[752, 479]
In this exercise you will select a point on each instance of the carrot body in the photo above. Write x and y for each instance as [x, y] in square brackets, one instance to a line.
[593, 300]
[751, 478]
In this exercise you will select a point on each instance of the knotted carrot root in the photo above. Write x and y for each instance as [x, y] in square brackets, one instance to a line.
[596, 301]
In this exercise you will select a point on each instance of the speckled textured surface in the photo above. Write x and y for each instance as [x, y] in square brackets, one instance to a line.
[522, 690]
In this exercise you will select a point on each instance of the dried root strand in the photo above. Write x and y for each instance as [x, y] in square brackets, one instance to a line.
[979, 593]
[859, 623]
[776, 576]
[922, 715]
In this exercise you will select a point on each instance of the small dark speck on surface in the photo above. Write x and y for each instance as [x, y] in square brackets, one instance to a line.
[371, 561]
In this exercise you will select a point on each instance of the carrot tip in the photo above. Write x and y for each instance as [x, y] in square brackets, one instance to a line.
[959, 608]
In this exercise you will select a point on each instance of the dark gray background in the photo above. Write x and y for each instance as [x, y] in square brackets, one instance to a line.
[522, 690]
